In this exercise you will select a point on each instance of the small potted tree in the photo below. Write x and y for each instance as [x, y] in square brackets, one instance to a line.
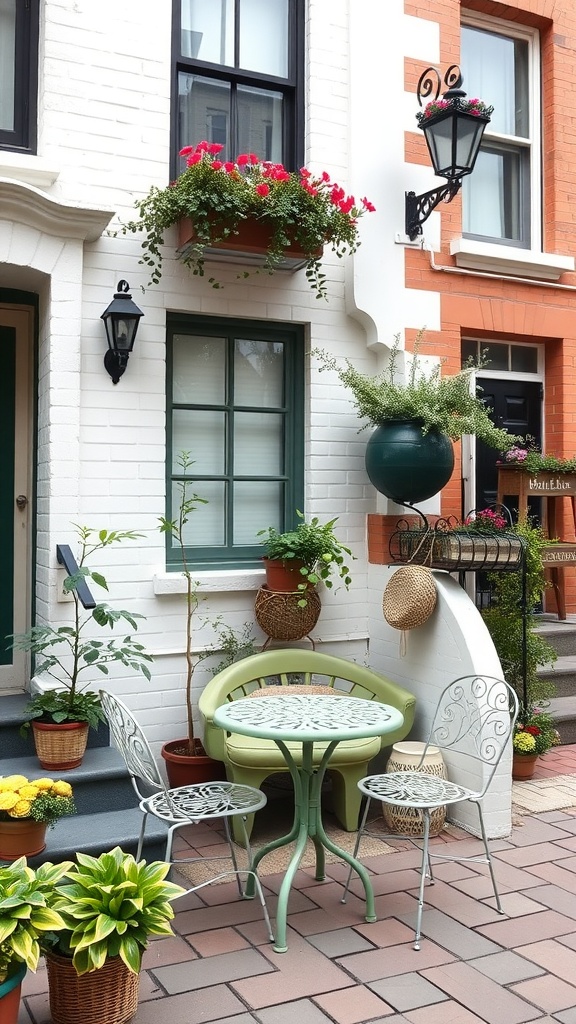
[61, 717]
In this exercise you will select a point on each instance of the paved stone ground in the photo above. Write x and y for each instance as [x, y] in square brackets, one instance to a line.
[474, 965]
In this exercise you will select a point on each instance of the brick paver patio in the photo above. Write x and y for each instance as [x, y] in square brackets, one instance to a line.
[474, 965]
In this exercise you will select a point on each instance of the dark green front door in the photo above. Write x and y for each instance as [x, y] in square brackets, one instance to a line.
[7, 436]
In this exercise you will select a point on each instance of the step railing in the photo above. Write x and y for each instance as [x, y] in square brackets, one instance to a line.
[66, 558]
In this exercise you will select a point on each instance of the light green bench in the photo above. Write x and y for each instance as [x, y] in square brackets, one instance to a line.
[250, 761]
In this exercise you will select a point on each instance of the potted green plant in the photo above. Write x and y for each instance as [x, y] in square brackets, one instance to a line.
[27, 808]
[109, 906]
[213, 200]
[299, 559]
[60, 717]
[534, 735]
[409, 457]
[26, 914]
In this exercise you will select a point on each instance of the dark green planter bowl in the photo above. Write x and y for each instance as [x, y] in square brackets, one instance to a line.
[407, 465]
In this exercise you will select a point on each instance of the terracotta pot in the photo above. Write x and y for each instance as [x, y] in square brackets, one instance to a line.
[106, 996]
[283, 577]
[60, 747]
[10, 996]
[523, 765]
[185, 769]
[249, 245]
[24, 838]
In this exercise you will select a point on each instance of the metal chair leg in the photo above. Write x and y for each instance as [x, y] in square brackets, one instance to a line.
[233, 855]
[489, 860]
[425, 862]
[141, 836]
[356, 846]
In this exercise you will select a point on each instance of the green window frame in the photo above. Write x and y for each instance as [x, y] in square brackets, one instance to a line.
[19, 20]
[214, 412]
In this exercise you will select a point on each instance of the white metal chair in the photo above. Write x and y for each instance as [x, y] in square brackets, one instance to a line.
[473, 721]
[184, 805]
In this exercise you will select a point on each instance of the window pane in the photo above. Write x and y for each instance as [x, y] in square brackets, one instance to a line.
[7, 54]
[203, 112]
[258, 373]
[198, 370]
[260, 114]
[264, 36]
[202, 433]
[492, 195]
[495, 68]
[469, 350]
[206, 524]
[524, 359]
[208, 30]
[495, 356]
[258, 443]
[257, 505]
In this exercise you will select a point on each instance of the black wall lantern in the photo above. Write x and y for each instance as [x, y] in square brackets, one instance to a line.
[121, 321]
[453, 127]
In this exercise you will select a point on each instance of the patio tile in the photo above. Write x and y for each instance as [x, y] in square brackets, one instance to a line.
[203, 973]
[340, 942]
[555, 957]
[480, 994]
[556, 899]
[148, 988]
[443, 1013]
[217, 1003]
[170, 949]
[303, 1010]
[514, 904]
[388, 932]
[568, 940]
[535, 831]
[555, 874]
[451, 935]
[506, 967]
[353, 1005]
[408, 991]
[549, 993]
[565, 1016]
[39, 1010]
[220, 940]
[456, 904]
[401, 959]
[517, 931]
[538, 853]
[226, 916]
[34, 983]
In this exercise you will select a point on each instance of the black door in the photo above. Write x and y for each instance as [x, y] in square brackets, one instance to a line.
[516, 406]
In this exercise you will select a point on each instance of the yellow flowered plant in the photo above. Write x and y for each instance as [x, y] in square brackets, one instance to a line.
[43, 800]
[524, 743]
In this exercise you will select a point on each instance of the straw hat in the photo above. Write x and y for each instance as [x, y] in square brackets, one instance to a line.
[409, 597]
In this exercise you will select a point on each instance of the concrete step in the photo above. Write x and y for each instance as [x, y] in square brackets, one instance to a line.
[100, 783]
[562, 673]
[560, 633]
[563, 710]
[12, 744]
[97, 833]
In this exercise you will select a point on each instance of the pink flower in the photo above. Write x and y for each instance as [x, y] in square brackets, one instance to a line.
[186, 150]
[215, 147]
[368, 205]
[263, 189]
[229, 167]
[217, 164]
[194, 159]
[242, 160]
[346, 205]
[253, 158]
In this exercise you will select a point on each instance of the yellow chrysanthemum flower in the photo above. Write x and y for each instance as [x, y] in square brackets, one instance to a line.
[20, 810]
[62, 788]
[524, 743]
[28, 792]
[43, 784]
[8, 801]
[13, 782]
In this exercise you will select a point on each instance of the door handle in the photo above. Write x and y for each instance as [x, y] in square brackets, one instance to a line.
[21, 502]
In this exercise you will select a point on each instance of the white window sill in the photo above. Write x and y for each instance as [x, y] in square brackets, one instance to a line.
[32, 170]
[506, 259]
[229, 581]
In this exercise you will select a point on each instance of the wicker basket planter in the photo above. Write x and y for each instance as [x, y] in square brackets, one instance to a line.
[60, 747]
[282, 618]
[106, 996]
[453, 550]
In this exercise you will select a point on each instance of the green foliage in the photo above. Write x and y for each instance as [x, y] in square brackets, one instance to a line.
[299, 210]
[232, 644]
[175, 528]
[316, 545]
[504, 618]
[68, 652]
[442, 403]
[27, 912]
[531, 459]
[534, 732]
[111, 906]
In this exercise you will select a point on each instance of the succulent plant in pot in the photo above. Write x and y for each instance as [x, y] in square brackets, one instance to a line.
[71, 653]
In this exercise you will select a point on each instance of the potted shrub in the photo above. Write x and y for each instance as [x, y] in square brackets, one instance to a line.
[60, 717]
[534, 735]
[27, 808]
[409, 457]
[213, 200]
[109, 906]
[485, 540]
[26, 914]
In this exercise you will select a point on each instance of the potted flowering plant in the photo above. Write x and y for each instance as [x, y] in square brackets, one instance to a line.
[534, 735]
[27, 808]
[433, 109]
[213, 198]
[531, 459]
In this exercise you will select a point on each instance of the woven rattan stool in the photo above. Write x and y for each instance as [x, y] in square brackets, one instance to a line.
[407, 821]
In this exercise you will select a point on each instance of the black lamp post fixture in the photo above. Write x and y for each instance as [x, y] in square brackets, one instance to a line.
[453, 127]
[121, 321]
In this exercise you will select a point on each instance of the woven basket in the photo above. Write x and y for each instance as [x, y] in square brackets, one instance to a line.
[106, 996]
[280, 616]
[60, 747]
[407, 821]
[409, 597]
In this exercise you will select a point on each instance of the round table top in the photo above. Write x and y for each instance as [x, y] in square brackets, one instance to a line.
[308, 717]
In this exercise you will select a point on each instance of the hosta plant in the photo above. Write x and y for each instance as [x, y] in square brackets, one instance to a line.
[27, 912]
[110, 906]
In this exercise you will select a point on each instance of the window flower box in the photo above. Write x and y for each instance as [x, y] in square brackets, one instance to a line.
[452, 550]
[248, 245]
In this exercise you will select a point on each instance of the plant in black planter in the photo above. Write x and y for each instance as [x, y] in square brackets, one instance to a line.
[71, 653]
[409, 457]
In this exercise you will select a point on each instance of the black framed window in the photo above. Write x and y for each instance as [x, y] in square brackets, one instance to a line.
[238, 77]
[236, 404]
[500, 65]
[18, 74]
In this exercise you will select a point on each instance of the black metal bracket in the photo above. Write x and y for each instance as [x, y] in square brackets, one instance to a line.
[419, 208]
[66, 558]
[115, 364]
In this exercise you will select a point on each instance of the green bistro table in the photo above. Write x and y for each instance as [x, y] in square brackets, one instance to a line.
[308, 719]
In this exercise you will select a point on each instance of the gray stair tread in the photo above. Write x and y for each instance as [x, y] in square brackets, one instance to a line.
[96, 833]
[99, 763]
[13, 705]
[564, 663]
[562, 708]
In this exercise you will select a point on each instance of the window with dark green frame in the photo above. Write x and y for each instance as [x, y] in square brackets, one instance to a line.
[235, 400]
[239, 78]
[18, 74]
